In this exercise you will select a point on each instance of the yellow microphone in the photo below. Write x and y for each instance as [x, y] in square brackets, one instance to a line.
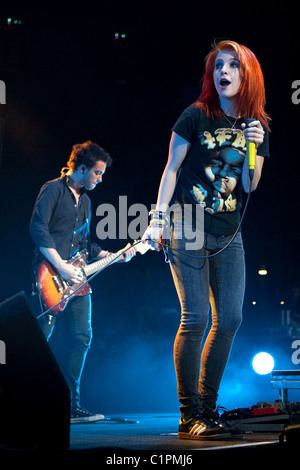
[250, 149]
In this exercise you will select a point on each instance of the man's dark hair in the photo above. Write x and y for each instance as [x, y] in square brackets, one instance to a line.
[87, 153]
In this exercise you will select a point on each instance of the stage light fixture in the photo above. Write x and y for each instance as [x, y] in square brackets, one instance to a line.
[9, 21]
[263, 363]
[118, 36]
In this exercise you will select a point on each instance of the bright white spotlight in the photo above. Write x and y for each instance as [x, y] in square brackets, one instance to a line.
[263, 363]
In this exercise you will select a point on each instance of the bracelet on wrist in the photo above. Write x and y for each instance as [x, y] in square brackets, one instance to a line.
[158, 223]
[159, 215]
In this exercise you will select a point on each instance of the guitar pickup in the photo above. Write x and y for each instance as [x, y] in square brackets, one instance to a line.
[57, 284]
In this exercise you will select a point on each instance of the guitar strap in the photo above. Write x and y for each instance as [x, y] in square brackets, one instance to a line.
[34, 265]
[35, 298]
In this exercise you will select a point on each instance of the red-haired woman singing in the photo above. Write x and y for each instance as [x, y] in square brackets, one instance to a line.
[206, 170]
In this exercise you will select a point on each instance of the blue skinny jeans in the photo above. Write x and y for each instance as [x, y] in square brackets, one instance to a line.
[206, 286]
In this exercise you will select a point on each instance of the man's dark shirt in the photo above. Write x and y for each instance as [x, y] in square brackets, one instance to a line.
[57, 222]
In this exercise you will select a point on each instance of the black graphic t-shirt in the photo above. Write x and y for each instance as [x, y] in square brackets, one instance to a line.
[211, 172]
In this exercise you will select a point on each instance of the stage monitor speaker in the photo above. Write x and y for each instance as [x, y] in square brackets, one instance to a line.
[34, 397]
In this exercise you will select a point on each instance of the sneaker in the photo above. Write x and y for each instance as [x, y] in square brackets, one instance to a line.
[79, 415]
[202, 427]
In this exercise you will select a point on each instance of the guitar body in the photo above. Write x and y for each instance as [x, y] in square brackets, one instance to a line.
[54, 289]
[56, 292]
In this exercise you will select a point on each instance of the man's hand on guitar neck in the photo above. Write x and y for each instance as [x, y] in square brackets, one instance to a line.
[128, 254]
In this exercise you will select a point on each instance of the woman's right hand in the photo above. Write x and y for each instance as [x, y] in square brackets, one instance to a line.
[152, 236]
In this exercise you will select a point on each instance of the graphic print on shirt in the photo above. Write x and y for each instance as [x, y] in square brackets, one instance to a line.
[222, 171]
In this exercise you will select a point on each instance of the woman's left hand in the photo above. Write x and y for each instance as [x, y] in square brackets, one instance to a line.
[254, 133]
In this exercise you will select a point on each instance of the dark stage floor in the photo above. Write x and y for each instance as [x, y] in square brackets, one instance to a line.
[153, 438]
[150, 432]
[149, 441]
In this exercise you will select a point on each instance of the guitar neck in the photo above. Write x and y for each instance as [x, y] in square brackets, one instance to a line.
[110, 259]
[100, 264]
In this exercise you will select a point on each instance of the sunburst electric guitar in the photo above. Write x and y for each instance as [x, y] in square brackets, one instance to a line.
[55, 292]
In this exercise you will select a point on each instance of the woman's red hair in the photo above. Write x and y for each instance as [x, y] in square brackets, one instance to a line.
[251, 99]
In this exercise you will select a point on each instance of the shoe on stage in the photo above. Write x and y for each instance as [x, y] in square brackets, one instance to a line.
[202, 427]
[80, 415]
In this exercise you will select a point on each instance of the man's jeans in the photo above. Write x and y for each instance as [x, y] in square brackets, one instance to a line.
[215, 284]
[78, 330]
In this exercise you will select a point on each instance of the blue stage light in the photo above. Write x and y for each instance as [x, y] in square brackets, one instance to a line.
[263, 363]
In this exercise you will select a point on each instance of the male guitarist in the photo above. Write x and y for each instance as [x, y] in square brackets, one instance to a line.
[60, 227]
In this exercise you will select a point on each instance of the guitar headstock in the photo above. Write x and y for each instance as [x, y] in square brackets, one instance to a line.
[140, 247]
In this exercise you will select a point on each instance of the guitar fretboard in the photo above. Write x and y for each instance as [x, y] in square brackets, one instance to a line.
[99, 265]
